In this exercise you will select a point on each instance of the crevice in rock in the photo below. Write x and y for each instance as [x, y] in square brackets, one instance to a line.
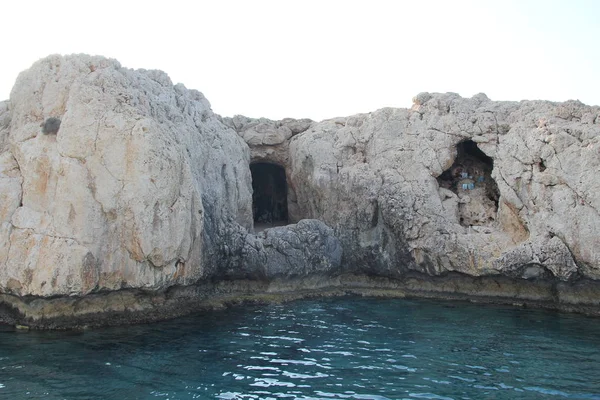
[470, 178]
[541, 166]
[269, 195]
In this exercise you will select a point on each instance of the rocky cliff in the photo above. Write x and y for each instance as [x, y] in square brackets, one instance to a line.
[140, 205]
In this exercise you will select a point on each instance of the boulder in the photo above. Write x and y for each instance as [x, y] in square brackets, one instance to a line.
[297, 250]
[118, 198]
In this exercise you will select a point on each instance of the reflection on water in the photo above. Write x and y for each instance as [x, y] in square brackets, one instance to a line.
[348, 348]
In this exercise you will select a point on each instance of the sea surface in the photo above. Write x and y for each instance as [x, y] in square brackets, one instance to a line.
[344, 348]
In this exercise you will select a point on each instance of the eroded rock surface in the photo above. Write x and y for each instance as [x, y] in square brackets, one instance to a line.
[452, 184]
[143, 194]
[132, 192]
[375, 179]
[297, 250]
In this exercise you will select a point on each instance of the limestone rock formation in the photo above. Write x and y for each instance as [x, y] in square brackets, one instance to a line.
[133, 192]
[482, 188]
[297, 250]
[456, 184]
[141, 204]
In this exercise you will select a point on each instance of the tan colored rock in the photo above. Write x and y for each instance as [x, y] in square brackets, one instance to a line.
[375, 178]
[116, 198]
[374, 175]
[143, 187]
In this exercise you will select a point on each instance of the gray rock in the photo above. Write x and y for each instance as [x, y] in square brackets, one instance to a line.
[529, 259]
[308, 247]
[145, 188]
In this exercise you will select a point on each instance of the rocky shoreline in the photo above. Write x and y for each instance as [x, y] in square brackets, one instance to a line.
[138, 306]
[124, 199]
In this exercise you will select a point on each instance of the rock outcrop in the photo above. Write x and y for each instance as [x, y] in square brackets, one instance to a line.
[375, 179]
[141, 192]
[297, 250]
[397, 190]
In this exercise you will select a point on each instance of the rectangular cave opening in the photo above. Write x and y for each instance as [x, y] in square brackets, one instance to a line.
[269, 196]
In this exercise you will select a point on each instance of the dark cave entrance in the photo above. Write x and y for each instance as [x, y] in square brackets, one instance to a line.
[470, 178]
[269, 197]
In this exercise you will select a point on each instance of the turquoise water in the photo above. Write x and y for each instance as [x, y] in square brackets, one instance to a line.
[345, 348]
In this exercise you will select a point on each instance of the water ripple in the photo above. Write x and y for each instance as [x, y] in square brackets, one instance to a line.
[327, 349]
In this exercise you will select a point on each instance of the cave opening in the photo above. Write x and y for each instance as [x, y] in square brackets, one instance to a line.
[269, 196]
[470, 178]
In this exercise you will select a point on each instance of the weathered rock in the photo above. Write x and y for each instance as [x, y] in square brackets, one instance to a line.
[285, 252]
[372, 177]
[143, 200]
[4, 124]
[117, 199]
[530, 259]
[308, 247]
[268, 140]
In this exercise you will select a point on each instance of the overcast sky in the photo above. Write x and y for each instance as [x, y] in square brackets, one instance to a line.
[321, 59]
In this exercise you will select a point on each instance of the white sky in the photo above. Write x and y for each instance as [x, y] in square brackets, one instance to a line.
[321, 59]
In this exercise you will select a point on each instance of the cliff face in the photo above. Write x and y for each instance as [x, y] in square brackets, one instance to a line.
[144, 188]
[466, 185]
[454, 184]
[118, 197]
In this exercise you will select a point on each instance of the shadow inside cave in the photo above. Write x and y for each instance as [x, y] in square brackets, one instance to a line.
[269, 195]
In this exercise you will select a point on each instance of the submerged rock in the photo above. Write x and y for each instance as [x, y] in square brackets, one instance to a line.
[146, 189]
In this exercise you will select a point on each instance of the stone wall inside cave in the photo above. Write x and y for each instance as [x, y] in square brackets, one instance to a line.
[470, 178]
